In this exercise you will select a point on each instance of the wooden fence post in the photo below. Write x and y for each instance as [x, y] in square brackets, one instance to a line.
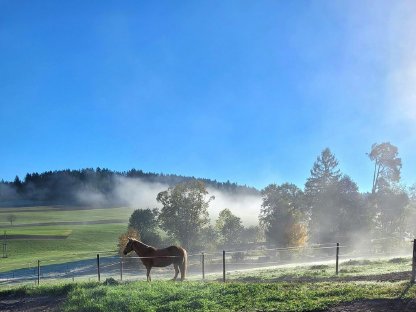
[337, 256]
[223, 266]
[414, 262]
[38, 272]
[203, 266]
[121, 268]
[98, 266]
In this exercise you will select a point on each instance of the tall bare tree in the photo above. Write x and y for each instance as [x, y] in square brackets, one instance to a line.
[387, 165]
[11, 218]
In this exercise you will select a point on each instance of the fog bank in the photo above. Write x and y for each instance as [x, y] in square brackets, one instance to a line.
[138, 194]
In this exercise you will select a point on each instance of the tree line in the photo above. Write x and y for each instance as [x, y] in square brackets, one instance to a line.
[62, 186]
[184, 219]
[328, 209]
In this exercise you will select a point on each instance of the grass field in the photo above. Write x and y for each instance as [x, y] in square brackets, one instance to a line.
[215, 296]
[82, 240]
[226, 297]
[250, 290]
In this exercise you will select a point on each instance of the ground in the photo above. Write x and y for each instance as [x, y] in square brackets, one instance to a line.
[376, 305]
[49, 304]
[31, 304]
[24, 303]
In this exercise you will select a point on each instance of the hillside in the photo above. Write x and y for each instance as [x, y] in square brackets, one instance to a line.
[65, 186]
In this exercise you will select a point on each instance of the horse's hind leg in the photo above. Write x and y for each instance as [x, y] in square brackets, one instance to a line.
[182, 266]
[176, 266]
[149, 279]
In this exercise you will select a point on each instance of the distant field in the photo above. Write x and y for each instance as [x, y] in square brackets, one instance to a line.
[83, 238]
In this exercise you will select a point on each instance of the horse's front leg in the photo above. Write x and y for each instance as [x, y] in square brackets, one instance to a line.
[148, 268]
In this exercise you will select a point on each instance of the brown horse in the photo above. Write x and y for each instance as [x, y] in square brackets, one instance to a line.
[152, 257]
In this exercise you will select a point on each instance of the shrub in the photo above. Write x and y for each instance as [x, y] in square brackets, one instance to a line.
[237, 256]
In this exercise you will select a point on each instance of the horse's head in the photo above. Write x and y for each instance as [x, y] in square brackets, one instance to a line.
[129, 247]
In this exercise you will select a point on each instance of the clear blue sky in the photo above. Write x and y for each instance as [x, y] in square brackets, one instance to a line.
[250, 91]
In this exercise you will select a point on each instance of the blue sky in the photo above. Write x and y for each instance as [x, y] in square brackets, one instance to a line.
[246, 91]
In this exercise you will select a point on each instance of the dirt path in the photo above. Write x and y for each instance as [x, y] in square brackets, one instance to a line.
[376, 305]
[52, 304]
[387, 277]
[31, 304]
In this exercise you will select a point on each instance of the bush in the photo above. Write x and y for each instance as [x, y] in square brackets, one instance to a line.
[398, 260]
[110, 281]
[123, 239]
[238, 256]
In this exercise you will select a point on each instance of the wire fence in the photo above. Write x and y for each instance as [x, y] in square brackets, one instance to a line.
[201, 266]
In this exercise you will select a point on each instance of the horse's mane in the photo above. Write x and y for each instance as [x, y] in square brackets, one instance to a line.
[141, 243]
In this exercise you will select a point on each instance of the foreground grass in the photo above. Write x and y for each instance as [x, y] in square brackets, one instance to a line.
[214, 296]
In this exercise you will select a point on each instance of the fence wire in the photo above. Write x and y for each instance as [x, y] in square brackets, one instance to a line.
[109, 265]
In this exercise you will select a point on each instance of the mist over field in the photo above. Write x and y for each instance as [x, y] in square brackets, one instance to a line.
[139, 194]
[244, 206]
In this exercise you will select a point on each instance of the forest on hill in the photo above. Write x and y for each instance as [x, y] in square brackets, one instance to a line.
[62, 187]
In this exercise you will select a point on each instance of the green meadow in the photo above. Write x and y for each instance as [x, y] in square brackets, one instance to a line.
[68, 242]
[214, 296]
[309, 288]
[141, 296]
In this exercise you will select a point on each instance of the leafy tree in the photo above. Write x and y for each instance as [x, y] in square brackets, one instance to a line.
[229, 227]
[282, 214]
[351, 217]
[388, 202]
[208, 239]
[11, 218]
[410, 214]
[387, 165]
[146, 223]
[123, 239]
[389, 216]
[252, 234]
[185, 211]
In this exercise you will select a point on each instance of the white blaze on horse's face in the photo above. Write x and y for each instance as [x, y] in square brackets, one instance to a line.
[129, 247]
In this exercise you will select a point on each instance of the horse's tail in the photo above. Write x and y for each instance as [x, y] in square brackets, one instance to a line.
[184, 264]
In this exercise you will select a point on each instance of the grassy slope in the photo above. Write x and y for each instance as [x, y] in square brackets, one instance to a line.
[48, 214]
[84, 241]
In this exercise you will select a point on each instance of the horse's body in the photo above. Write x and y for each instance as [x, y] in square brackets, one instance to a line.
[152, 257]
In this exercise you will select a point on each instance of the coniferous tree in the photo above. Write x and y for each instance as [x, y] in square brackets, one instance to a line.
[335, 205]
[320, 191]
